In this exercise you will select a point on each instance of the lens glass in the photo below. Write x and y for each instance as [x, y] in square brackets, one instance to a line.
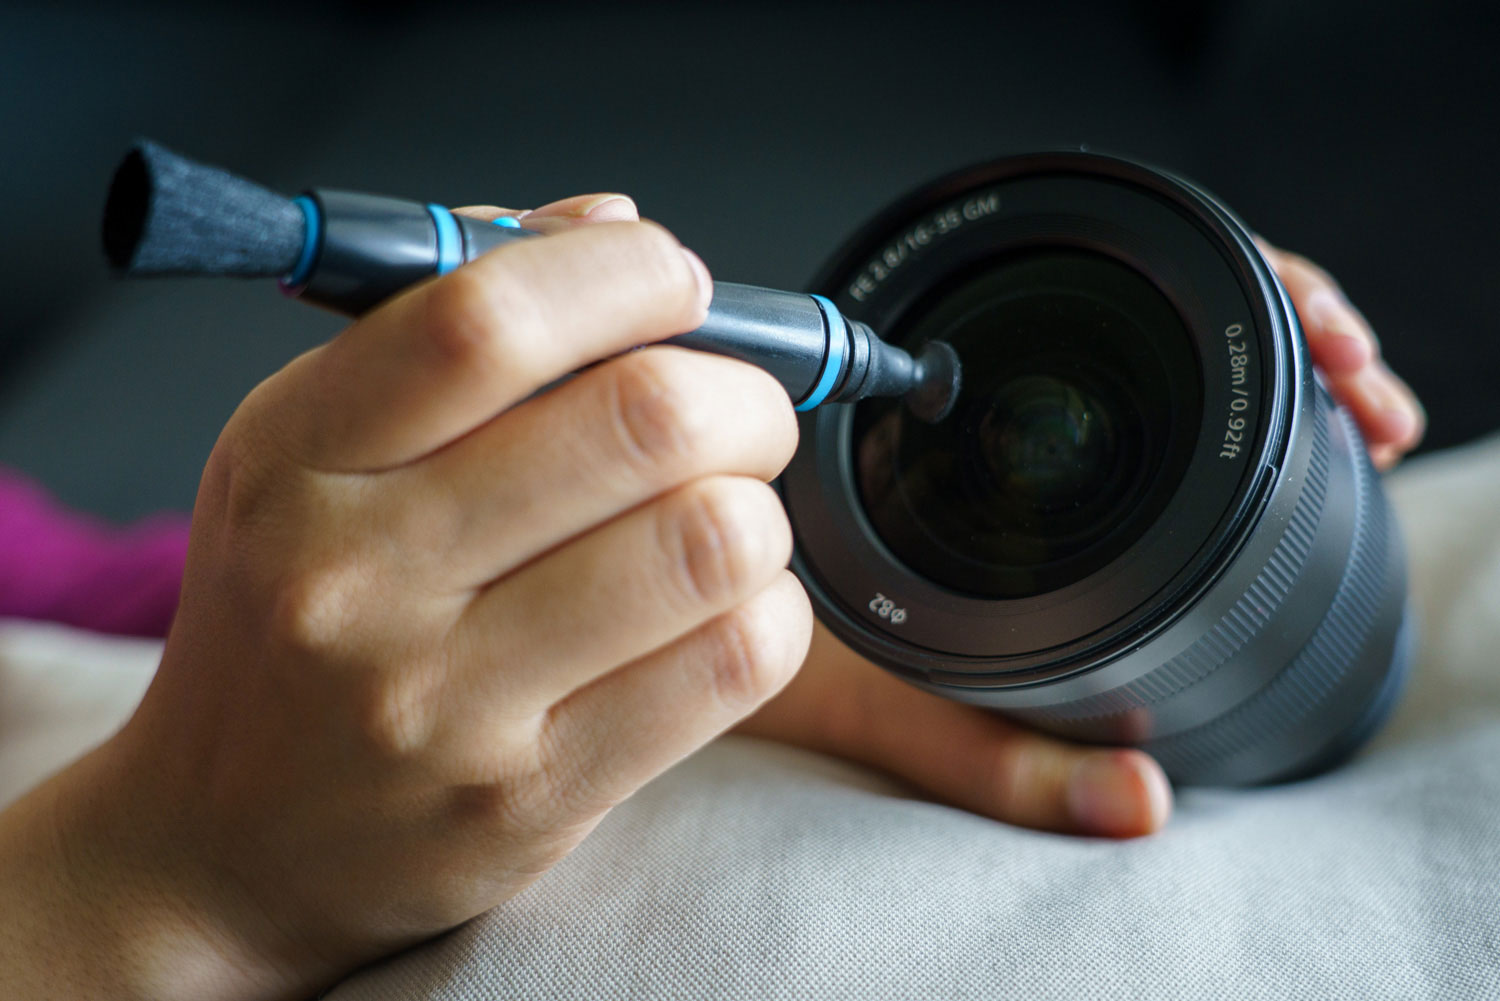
[1079, 406]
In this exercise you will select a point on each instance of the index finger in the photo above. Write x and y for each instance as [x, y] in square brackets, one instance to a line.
[578, 210]
[1343, 345]
[1340, 339]
[451, 353]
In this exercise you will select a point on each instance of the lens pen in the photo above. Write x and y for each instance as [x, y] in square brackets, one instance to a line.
[350, 251]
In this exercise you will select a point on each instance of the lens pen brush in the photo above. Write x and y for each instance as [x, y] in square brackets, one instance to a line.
[167, 215]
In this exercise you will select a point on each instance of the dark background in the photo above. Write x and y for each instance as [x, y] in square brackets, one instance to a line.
[1363, 134]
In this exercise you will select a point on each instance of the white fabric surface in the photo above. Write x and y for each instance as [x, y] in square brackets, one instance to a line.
[755, 871]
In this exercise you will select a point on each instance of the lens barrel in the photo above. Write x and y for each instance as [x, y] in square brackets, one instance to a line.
[1144, 521]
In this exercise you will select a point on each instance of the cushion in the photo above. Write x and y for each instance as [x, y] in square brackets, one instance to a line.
[757, 871]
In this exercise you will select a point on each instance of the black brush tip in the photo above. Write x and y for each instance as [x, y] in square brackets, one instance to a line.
[166, 214]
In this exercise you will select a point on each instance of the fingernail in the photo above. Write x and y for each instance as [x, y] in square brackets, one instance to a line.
[704, 279]
[596, 207]
[1110, 793]
[1394, 404]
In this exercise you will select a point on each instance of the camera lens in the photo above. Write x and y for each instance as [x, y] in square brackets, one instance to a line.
[1067, 439]
[1144, 520]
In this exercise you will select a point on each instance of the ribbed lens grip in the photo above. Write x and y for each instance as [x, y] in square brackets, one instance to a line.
[1239, 626]
[1324, 684]
[1330, 693]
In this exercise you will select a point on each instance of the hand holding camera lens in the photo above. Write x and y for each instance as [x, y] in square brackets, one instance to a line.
[1347, 351]
[971, 758]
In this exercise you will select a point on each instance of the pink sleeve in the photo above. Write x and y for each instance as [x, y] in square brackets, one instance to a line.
[66, 567]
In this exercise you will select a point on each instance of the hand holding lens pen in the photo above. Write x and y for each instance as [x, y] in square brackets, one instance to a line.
[350, 251]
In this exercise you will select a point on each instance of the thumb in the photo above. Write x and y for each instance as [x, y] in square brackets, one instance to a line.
[960, 755]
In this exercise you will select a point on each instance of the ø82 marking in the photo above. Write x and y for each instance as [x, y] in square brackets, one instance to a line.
[886, 609]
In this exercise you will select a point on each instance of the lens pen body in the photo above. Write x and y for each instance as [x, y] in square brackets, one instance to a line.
[359, 249]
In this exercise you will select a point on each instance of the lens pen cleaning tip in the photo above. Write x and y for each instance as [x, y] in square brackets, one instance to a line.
[937, 384]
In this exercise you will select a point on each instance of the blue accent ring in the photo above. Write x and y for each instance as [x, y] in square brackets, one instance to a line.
[450, 243]
[312, 236]
[838, 339]
[509, 222]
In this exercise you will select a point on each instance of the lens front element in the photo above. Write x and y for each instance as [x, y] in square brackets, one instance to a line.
[1076, 420]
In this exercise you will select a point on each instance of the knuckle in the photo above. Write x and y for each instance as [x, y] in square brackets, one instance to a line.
[458, 319]
[655, 246]
[393, 715]
[253, 472]
[1311, 272]
[754, 657]
[498, 807]
[729, 533]
[567, 781]
[663, 263]
[775, 418]
[237, 483]
[1027, 780]
[662, 419]
[475, 319]
[313, 610]
[1006, 783]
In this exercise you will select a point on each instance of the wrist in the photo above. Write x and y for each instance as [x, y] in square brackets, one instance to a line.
[93, 905]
